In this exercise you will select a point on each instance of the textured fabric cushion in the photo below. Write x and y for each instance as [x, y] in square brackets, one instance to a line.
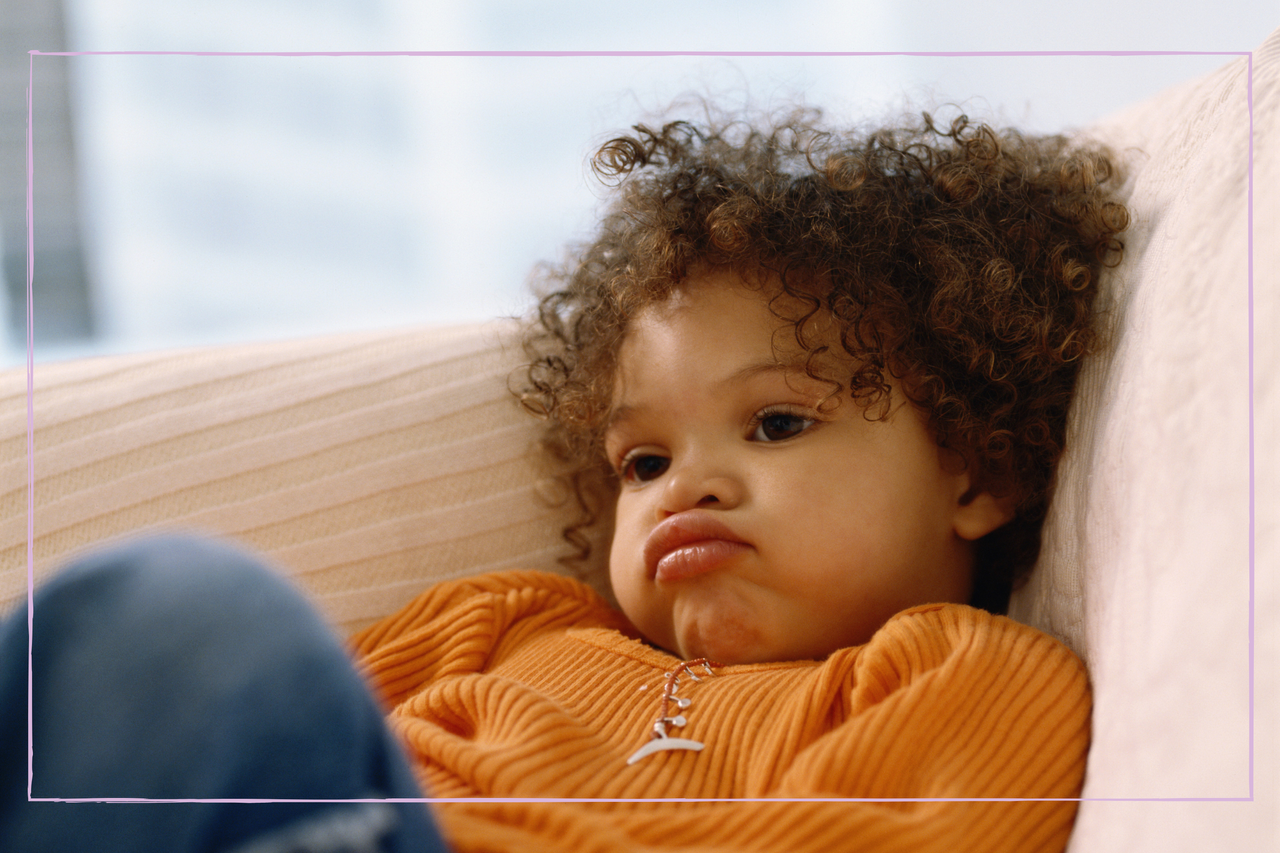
[367, 466]
[1146, 567]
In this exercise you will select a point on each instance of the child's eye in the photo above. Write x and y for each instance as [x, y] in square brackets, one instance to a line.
[644, 467]
[778, 426]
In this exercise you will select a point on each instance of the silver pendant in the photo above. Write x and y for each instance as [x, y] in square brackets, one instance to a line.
[659, 744]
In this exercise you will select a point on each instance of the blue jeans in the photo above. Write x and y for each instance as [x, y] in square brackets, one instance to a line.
[180, 668]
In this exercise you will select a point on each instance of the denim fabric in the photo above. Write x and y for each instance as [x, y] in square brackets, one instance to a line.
[178, 667]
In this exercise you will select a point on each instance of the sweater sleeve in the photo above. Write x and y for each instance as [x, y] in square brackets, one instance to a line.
[947, 701]
[458, 627]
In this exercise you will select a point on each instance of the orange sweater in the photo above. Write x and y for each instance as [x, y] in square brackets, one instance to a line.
[527, 685]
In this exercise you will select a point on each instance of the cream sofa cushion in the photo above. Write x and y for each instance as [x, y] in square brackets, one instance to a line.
[366, 466]
[1149, 568]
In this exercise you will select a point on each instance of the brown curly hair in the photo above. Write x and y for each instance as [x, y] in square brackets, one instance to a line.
[960, 259]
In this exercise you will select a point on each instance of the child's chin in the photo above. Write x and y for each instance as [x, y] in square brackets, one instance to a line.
[724, 646]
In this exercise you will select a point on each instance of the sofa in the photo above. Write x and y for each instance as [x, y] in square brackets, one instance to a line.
[367, 466]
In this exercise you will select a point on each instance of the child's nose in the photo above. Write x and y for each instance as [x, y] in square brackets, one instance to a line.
[700, 483]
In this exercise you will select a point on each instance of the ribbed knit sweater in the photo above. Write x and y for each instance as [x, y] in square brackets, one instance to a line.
[528, 685]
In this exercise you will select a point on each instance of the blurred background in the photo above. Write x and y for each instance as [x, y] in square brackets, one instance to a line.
[186, 200]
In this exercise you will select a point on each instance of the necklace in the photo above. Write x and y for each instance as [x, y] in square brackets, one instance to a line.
[659, 739]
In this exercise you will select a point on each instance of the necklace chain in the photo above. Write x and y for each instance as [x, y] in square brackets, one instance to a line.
[659, 738]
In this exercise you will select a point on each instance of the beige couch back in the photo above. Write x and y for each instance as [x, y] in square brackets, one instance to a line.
[366, 466]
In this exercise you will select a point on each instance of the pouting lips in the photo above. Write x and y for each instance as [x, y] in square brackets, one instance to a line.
[690, 543]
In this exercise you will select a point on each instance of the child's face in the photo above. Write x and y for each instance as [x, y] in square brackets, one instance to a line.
[752, 526]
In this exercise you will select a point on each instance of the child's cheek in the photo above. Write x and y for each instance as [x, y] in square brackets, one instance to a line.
[627, 577]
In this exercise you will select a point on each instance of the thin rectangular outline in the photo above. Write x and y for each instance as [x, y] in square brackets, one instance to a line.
[628, 53]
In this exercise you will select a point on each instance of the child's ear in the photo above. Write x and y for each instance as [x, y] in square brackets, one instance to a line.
[979, 513]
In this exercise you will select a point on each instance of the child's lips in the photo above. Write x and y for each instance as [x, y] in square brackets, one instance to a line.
[690, 543]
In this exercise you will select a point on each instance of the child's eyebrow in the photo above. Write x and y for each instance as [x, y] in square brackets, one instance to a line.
[620, 415]
[763, 367]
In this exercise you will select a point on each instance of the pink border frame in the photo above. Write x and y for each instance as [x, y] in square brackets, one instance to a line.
[30, 314]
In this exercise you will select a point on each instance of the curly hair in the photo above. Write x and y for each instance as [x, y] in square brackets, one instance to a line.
[961, 260]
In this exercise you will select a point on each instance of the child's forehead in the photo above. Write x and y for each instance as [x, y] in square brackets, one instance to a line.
[753, 317]
[721, 335]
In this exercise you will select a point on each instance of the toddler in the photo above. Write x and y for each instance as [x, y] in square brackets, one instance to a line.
[819, 383]
[815, 385]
